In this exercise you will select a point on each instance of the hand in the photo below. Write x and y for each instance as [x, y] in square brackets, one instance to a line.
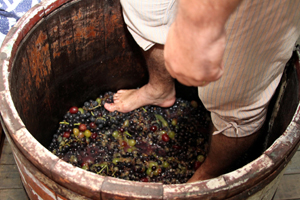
[196, 41]
[194, 59]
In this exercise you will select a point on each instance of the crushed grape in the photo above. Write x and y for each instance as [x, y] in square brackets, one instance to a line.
[149, 144]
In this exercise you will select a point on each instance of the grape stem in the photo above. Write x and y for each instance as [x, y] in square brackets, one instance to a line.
[101, 118]
[114, 174]
[64, 122]
[93, 108]
[126, 132]
[164, 123]
[105, 166]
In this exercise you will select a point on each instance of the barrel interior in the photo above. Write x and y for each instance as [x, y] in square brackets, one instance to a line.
[83, 49]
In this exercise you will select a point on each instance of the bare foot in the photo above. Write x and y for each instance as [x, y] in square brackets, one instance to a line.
[201, 175]
[128, 100]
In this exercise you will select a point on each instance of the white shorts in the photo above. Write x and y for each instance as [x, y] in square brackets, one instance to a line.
[261, 36]
[148, 21]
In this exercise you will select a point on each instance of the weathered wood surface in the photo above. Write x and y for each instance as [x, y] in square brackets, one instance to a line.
[294, 166]
[10, 177]
[289, 186]
[6, 155]
[10, 183]
[13, 194]
[1, 140]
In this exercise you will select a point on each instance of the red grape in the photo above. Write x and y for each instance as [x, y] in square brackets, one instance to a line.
[124, 144]
[138, 146]
[84, 164]
[66, 134]
[93, 125]
[82, 127]
[144, 180]
[176, 147]
[197, 165]
[73, 110]
[94, 136]
[153, 128]
[121, 130]
[165, 137]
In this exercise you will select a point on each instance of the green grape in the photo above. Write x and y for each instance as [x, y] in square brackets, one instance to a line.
[116, 160]
[200, 158]
[131, 142]
[87, 133]
[126, 123]
[98, 100]
[152, 163]
[171, 134]
[148, 172]
[174, 122]
[157, 172]
[81, 110]
[76, 131]
[80, 135]
[116, 134]
[165, 164]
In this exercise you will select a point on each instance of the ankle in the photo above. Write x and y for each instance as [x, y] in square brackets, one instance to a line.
[159, 91]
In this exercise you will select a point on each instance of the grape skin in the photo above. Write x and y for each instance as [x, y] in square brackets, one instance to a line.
[149, 144]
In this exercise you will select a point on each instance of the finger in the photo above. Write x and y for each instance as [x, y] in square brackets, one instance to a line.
[185, 81]
[190, 82]
[116, 97]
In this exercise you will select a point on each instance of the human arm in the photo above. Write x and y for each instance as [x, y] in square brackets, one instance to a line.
[196, 41]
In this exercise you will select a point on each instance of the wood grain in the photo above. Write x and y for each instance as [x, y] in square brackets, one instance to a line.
[10, 182]
[13, 194]
[294, 166]
[2, 137]
[289, 187]
[7, 156]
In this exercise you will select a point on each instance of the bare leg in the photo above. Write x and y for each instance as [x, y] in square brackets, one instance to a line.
[222, 154]
[159, 91]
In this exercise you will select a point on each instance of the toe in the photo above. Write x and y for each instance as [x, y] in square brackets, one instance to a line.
[121, 91]
[111, 107]
[116, 97]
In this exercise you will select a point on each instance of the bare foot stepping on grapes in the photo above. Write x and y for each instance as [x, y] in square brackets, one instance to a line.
[128, 100]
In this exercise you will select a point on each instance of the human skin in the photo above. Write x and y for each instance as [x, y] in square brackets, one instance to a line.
[196, 41]
[223, 152]
[159, 91]
[193, 55]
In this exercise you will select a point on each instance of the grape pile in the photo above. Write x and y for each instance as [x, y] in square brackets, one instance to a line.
[149, 144]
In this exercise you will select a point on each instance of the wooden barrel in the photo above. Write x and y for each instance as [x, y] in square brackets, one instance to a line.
[63, 52]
